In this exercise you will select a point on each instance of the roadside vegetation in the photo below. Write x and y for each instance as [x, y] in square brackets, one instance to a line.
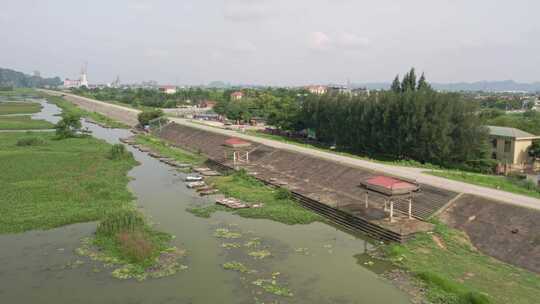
[167, 150]
[48, 183]
[277, 204]
[326, 148]
[69, 108]
[19, 108]
[511, 183]
[454, 272]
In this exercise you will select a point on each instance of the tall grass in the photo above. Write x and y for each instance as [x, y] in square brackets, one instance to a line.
[124, 220]
[119, 152]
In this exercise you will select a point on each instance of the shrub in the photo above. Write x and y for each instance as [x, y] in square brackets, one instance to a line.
[135, 246]
[68, 126]
[283, 194]
[462, 294]
[147, 115]
[118, 152]
[30, 141]
[121, 221]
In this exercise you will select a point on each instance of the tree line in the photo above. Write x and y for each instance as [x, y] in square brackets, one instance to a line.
[410, 121]
[13, 79]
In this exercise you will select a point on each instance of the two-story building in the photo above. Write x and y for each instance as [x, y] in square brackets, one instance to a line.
[510, 146]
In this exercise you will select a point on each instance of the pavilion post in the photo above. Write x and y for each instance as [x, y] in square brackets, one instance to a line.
[366, 199]
[410, 208]
[391, 211]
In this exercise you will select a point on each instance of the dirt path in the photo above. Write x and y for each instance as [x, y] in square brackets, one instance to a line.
[417, 174]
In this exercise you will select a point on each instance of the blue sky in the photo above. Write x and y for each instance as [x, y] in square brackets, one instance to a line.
[276, 42]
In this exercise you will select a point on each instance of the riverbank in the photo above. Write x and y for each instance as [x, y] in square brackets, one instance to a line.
[447, 266]
[276, 204]
[94, 117]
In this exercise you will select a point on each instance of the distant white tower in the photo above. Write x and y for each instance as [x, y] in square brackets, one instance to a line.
[84, 79]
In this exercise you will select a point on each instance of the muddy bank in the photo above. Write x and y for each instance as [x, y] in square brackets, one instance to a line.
[508, 233]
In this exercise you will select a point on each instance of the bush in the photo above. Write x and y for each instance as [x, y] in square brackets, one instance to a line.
[119, 152]
[68, 126]
[121, 221]
[147, 115]
[283, 194]
[30, 141]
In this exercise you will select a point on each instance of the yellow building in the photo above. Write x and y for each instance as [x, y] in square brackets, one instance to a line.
[510, 146]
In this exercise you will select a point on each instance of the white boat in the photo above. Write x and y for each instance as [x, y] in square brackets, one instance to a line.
[195, 184]
[193, 178]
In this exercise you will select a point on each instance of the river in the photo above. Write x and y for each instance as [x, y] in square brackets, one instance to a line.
[316, 261]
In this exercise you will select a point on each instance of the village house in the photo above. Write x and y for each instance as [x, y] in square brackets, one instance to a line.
[167, 89]
[237, 95]
[317, 89]
[210, 104]
[510, 147]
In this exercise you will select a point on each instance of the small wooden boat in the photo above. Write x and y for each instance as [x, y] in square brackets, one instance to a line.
[232, 203]
[201, 169]
[193, 178]
[210, 173]
[208, 192]
[193, 185]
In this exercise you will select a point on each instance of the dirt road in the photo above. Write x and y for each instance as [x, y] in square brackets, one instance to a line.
[405, 172]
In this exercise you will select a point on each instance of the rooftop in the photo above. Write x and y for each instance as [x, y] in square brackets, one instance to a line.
[510, 132]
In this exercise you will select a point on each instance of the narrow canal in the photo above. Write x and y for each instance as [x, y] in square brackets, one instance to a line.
[316, 261]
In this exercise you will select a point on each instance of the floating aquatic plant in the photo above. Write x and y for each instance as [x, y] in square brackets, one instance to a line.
[260, 254]
[272, 286]
[237, 266]
[230, 245]
[225, 233]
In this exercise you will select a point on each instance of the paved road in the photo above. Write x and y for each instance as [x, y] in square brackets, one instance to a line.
[405, 172]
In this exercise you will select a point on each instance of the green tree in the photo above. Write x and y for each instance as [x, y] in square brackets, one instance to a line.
[409, 81]
[146, 116]
[534, 150]
[423, 84]
[396, 85]
[68, 126]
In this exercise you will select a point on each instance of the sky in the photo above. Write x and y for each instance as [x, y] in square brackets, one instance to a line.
[272, 42]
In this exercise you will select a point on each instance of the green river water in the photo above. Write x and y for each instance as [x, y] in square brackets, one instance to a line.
[316, 261]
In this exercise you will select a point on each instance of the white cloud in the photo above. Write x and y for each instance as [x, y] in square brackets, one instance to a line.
[341, 41]
[351, 41]
[156, 53]
[319, 41]
[249, 10]
[140, 6]
[243, 46]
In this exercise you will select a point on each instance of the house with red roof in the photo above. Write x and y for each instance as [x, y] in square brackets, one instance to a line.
[237, 95]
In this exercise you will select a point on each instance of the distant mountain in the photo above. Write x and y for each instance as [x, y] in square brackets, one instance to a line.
[11, 78]
[487, 86]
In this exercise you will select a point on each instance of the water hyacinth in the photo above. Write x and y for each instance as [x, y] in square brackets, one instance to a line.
[260, 254]
[225, 233]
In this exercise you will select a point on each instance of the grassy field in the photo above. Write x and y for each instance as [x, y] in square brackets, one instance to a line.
[23, 123]
[165, 149]
[58, 182]
[68, 107]
[509, 184]
[18, 92]
[455, 272]
[19, 108]
[277, 204]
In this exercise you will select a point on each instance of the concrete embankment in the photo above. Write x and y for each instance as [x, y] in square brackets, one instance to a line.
[508, 233]
[122, 114]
